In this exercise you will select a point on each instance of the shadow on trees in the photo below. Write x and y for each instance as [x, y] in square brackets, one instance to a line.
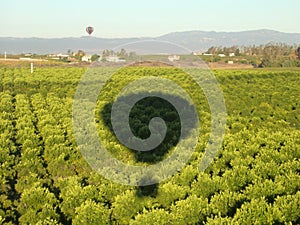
[140, 115]
[149, 191]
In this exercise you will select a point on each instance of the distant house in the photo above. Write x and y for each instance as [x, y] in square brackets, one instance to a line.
[114, 59]
[231, 54]
[58, 56]
[86, 58]
[197, 53]
[207, 54]
[230, 62]
[173, 58]
[62, 55]
[222, 55]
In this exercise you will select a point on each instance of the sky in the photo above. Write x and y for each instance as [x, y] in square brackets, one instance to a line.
[143, 18]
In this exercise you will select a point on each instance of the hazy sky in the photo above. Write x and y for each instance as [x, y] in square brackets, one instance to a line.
[140, 18]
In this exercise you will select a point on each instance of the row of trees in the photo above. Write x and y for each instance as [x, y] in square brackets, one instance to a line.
[283, 49]
[280, 56]
[45, 180]
[105, 53]
[270, 55]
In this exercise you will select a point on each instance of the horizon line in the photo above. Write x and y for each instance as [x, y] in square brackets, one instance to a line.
[153, 37]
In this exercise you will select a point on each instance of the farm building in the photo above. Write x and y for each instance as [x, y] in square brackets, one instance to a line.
[115, 59]
[173, 58]
[86, 58]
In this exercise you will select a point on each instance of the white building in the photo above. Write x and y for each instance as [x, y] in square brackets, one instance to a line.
[62, 55]
[231, 54]
[114, 59]
[173, 58]
[58, 56]
[222, 55]
[86, 58]
[197, 53]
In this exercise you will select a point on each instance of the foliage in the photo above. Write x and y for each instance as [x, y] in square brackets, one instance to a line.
[253, 180]
[269, 55]
[95, 57]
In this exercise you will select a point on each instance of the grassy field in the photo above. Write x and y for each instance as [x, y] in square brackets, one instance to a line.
[253, 180]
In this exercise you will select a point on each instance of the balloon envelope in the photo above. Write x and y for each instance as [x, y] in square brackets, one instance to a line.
[89, 30]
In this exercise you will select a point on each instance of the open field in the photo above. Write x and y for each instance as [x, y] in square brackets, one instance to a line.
[255, 178]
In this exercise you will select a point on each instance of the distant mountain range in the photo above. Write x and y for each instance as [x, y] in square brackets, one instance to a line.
[193, 40]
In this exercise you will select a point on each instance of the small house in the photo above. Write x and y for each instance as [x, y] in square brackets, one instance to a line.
[86, 58]
[173, 58]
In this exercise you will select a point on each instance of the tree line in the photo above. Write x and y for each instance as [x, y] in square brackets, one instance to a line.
[269, 55]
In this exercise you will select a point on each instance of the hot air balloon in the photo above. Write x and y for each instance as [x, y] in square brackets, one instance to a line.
[89, 30]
